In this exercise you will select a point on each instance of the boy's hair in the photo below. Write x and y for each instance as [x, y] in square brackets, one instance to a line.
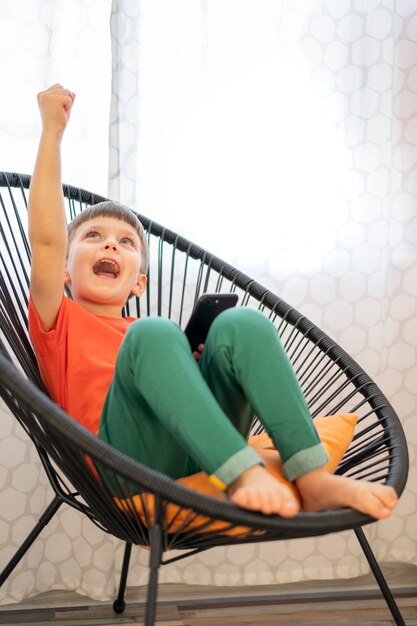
[120, 212]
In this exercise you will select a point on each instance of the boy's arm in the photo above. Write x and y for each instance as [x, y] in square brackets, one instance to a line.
[47, 222]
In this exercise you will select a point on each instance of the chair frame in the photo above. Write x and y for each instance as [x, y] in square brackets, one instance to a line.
[331, 380]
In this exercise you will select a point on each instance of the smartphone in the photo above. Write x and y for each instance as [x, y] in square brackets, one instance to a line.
[208, 307]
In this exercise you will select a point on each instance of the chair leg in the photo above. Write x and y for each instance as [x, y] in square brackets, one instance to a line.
[155, 560]
[40, 525]
[383, 585]
[119, 604]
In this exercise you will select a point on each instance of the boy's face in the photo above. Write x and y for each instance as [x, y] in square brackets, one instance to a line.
[103, 265]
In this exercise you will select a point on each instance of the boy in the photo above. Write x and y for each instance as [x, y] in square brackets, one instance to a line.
[158, 405]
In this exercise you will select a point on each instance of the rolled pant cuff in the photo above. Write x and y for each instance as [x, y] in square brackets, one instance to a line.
[305, 461]
[234, 467]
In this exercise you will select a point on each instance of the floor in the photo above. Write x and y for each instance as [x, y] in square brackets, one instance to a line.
[335, 603]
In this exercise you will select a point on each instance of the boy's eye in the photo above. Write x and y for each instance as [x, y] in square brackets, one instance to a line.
[127, 240]
[92, 234]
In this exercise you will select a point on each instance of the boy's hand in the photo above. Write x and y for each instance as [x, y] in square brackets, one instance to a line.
[197, 353]
[55, 105]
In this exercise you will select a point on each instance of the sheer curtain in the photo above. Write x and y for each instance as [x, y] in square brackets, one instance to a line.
[49, 41]
[43, 42]
[280, 135]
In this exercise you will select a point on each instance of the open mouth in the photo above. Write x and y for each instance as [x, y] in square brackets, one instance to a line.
[106, 268]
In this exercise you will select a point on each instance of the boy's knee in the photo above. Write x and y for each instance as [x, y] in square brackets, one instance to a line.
[242, 315]
[243, 320]
[153, 330]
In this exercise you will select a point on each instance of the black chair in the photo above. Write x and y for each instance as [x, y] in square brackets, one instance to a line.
[179, 272]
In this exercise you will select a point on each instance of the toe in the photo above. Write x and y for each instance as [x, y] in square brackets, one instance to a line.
[289, 509]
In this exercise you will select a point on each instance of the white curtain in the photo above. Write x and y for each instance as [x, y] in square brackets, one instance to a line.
[47, 41]
[280, 135]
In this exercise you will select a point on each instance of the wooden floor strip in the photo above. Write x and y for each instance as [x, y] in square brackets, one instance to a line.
[351, 602]
[335, 613]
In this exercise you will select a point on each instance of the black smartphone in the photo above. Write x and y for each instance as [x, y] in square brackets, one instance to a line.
[208, 307]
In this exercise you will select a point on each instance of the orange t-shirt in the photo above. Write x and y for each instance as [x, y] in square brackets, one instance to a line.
[77, 358]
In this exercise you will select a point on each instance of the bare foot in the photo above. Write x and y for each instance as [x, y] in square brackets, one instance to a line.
[320, 491]
[257, 490]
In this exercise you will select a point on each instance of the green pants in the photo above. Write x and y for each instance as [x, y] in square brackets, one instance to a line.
[180, 417]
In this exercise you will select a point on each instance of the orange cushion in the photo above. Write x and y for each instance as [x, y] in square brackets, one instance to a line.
[335, 432]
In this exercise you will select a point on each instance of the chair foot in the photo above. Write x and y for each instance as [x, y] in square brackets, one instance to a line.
[119, 606]
[379, 577]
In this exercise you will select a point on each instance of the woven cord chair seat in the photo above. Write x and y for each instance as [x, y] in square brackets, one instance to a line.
[80, 466]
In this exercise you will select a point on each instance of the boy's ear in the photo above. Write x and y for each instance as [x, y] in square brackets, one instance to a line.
[67, 277]
[140, 286]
